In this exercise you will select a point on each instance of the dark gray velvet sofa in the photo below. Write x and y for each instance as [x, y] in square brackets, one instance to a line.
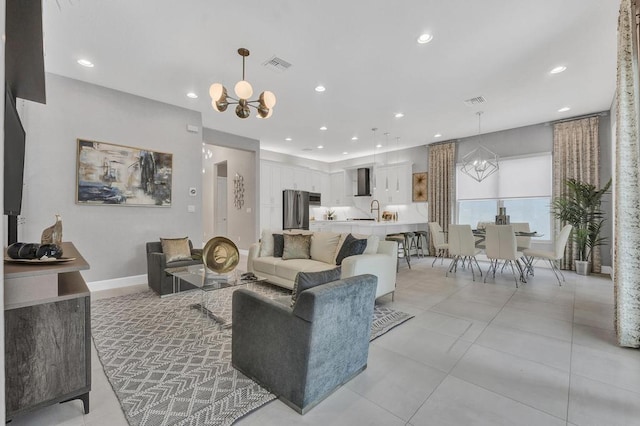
[158, 280]
[303, 354]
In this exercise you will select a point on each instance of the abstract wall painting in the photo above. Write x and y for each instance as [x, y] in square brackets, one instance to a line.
[109, 174]
[419, 187]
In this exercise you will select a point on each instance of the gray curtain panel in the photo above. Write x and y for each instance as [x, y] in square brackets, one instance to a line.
[576, 155]
[441, 185]
[626, 263]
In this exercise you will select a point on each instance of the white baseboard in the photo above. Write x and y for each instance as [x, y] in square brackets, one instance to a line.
[117, 282]
[606, 270]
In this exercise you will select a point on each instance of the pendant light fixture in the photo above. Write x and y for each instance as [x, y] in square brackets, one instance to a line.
[386, 156]
[374, 129]
[243, 90]
[397, 174]
[481, 162]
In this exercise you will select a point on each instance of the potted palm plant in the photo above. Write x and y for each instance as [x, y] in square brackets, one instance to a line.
[581, 207]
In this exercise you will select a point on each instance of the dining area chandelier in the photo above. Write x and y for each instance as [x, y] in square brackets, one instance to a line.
[220, 98]
[481, 162]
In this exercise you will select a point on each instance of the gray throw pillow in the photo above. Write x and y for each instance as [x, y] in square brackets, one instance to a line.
[278, 245]
[351, 247]
[307, 280]
[296, 246]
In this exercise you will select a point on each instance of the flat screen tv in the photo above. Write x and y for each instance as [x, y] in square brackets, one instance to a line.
[14, 145]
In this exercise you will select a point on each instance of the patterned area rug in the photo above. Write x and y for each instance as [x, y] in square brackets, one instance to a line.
[170, 365]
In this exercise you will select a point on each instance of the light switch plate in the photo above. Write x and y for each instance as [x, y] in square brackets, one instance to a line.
[191, 208]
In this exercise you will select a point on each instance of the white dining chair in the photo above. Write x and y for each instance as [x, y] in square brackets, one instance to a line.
[523, 243]
[462, 246]
[437, 237]
[501, 245]
[556, 254]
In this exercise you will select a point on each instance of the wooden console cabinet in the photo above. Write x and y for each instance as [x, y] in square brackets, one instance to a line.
[47, 334]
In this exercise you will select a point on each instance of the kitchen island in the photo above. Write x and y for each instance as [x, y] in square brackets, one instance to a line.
[366, 227]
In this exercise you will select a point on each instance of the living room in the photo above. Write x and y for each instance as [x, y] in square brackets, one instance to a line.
[95, 104]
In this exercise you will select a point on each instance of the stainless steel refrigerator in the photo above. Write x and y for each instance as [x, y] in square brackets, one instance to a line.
[295, 209]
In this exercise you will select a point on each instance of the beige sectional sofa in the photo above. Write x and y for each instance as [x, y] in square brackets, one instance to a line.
[379, 259]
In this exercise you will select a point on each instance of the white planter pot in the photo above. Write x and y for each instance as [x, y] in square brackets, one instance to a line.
[582, 267]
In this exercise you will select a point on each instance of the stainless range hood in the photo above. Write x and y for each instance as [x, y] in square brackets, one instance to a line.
[364, 186]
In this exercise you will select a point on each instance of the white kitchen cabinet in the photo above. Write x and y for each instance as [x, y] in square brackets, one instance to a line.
[339, 195]
[270, 184]
[398, 177]
[286, 178]
[316, 181]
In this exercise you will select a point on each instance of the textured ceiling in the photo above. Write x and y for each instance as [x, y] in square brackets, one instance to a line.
[364, 52]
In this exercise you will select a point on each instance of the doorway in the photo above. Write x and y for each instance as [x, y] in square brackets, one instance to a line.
[220, 199]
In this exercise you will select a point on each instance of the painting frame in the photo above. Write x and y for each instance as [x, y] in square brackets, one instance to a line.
[109, 174]
[419, 187]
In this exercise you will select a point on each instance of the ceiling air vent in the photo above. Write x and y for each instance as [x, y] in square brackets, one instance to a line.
[475, 101]
[277, 64]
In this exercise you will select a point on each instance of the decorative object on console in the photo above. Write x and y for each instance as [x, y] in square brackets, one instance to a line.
[220, 255]
[53, 234]
[238, 191]
[481, 162]
[243, 90]
[502, 218]
[419, 189]
[110, 174]
[33, 251]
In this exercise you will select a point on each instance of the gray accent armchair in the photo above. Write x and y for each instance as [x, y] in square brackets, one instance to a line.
[304, 354]
[158, 280]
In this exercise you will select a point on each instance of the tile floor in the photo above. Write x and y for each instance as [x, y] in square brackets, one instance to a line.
[475, 354]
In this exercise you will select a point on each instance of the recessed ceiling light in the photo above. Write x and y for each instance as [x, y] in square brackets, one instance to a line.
[564, 109]
[320, 146]
[85, 63]
[320, 88]
[344, 153]
[437, 135]
[399, 115]
[288, 139]
[192, 95]
[379, 145]
[323, 128]
[558, 70]
[425, 38]
[355, 138]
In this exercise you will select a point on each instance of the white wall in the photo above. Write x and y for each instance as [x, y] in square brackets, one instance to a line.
[240, 222]
[111, 238]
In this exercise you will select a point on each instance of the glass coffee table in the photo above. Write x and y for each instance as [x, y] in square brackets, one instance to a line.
[207, 283]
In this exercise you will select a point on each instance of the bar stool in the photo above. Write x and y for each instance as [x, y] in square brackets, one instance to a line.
[402, 247]
[419, 247]
[410, 242]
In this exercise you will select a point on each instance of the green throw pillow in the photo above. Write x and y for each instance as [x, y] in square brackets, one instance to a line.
[296, 246]
[176, 249]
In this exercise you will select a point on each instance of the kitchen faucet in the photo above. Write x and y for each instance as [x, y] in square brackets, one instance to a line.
[377, 208]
